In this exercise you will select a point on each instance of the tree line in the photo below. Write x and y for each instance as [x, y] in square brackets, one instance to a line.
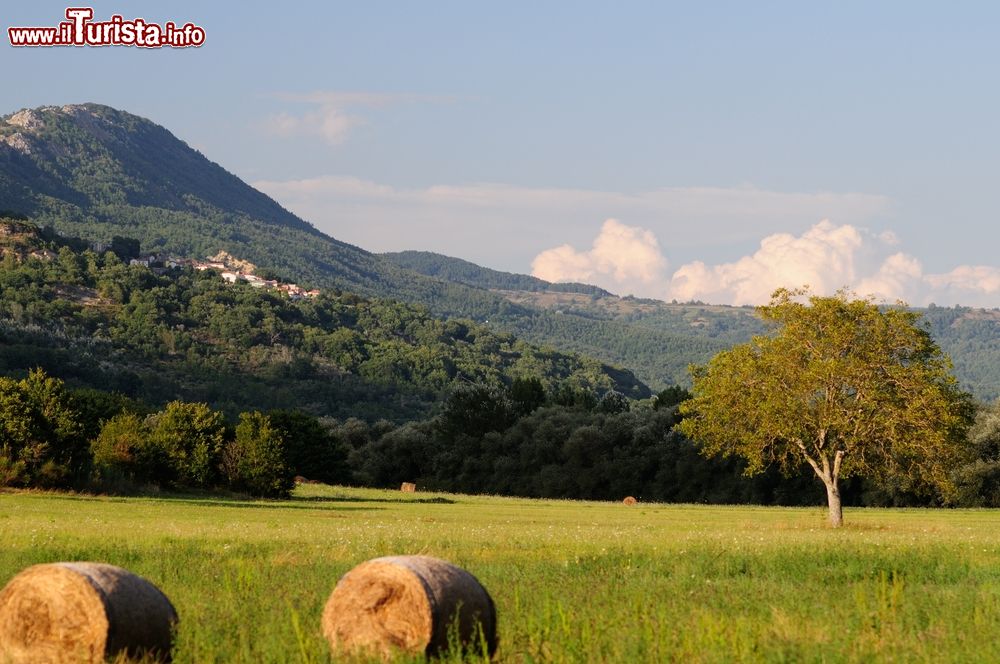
[519, 439]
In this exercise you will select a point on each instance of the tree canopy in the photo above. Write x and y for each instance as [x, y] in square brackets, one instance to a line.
[842, 385]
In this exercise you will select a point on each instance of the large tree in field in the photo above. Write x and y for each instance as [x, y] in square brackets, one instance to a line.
[842, 385]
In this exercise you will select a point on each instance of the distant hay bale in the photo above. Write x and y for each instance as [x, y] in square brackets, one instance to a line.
[411, 604]
[82, 612]
[630, 500]
[408, 487]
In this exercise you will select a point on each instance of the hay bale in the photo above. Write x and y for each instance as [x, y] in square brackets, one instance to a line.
[630, 500]
[408, 603]
[408, 487]
[82, 612]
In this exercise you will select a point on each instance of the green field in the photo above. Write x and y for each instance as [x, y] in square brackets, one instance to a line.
[573, 581]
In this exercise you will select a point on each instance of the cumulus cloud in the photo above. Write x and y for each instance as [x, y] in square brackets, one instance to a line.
[509, 227]
[973, 285]
[828, 257]
[624, 257]
[899, 277]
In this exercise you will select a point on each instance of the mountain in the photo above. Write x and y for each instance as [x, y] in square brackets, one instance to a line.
[463, 272]
[96, 172]
[93, 171]
[969, 336]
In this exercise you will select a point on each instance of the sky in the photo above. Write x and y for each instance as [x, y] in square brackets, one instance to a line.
[708, 151]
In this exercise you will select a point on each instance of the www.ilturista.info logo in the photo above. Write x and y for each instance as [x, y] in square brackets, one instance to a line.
[81, 30]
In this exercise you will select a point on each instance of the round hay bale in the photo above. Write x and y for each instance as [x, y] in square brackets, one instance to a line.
[82, 612]
[630, 500]
[408, 487]
[411, 604]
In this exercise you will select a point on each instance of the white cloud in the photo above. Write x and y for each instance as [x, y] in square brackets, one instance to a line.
[828, 257]
[329, 122]
[510, 227]
[506, 226]
[972, 285]
[333, 114]
[900, 277]
[626, 258]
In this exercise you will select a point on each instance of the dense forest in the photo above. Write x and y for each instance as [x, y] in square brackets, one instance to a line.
[96, 321]
[694, 332]
[124, 377]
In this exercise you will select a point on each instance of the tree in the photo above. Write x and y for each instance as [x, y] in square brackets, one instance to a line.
[843, 386]
[670, 397]
[41, 439]
[613, 402]
[255, 461]
[192, 436]
[527, 394]
[979, 480]
[472, 409]
[310, 449]
[125, 452]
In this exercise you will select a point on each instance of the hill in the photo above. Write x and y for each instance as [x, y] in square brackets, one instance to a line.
[96, 172]
[694, 332]
[470, 274]
[178, 332]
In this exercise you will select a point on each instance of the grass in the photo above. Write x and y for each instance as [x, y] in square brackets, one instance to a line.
[573, 581]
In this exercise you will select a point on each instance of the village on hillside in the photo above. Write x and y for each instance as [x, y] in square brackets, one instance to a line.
[21, 237]
[231, 269]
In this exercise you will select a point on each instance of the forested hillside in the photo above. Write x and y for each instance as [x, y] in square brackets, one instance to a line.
[93, 320]
[695, 331]
[95, 172]
[227, 385]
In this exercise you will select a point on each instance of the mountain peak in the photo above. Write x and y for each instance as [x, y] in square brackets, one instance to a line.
[77, 162]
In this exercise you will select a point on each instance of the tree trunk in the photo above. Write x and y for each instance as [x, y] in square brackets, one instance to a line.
[833, 498]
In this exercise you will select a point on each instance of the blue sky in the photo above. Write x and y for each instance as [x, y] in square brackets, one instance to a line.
[716, 137]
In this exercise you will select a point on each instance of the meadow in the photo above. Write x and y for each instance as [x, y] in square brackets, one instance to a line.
[572, 581]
